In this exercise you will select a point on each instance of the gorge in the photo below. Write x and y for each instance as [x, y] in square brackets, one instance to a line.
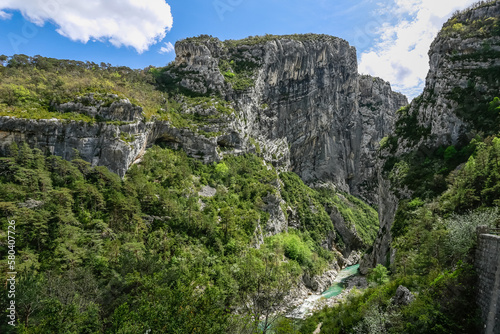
[247, 169]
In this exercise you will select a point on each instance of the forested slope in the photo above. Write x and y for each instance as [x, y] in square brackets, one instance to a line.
[440, 174]
[176, 246]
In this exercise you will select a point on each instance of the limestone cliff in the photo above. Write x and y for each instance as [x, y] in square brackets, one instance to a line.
[462, 80]
[296, 101]
[301, 99]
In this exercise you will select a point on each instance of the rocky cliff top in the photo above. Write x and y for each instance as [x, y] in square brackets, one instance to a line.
[295, 100]
[457, 104]
[299, 96]
[464, 64]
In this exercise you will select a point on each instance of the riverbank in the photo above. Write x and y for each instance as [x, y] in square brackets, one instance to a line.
[344, 281]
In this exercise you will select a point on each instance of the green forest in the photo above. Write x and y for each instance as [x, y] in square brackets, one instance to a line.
[179, 246]
[435, 238]
[100, 254]
[110, 244]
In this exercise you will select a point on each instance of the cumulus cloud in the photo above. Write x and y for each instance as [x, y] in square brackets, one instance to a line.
[400, 52]
[135, 23]
[167, 48]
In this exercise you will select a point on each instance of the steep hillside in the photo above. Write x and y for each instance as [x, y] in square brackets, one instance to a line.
[433, 134]
[236, 167]
[297, 101]
[92, 248]
[438, 181]
[299, 98]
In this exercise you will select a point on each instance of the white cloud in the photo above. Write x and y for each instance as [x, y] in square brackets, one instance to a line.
[167, 48]
[400, 53]
[4, 15]
[135, 23]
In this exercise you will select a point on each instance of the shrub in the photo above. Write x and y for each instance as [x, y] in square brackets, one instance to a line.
[462, 230]
[379, 275]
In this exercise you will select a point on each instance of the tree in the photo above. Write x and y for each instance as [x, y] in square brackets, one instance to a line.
[379, 275]
[3, 59]
[13, 150]
[265, 283]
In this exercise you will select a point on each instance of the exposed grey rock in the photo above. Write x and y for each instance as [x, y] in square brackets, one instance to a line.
[105, 144]
[31, 204]
[107, 107]
[277, 222]
[207, 191]
[97, 143]
[308, 111]
[452, 66]
[329, 242]
[258, 236]
[202, 59]
[358, 282]
[317, 283]
[347, 231]
[403, 296]
[331, 118]
[293, 218]
[381, 250]
[353, 258]
[309, 281]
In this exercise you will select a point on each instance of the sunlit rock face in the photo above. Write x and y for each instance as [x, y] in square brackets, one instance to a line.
[463, 78]
[303, 104]
[307, 107]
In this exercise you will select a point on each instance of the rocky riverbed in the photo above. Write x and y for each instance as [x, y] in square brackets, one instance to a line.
[343, 282]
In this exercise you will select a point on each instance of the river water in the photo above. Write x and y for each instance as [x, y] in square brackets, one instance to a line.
[334, 290]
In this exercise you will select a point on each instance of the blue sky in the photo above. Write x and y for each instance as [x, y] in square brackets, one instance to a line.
[392, 37]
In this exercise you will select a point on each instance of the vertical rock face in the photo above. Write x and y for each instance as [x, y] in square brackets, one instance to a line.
[310, 88]
[99, 144]
[463, 78]
[332, 118]
[197, 66]
[375, 99]
[298, 102]
[307, 103]
[464, 60]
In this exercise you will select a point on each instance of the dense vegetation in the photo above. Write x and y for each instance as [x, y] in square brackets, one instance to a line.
[362, 218]
[34, 87]
[182, 247]
[30, 86]
[152, 251]
[254, 40]
[444, 194]
[434, 239]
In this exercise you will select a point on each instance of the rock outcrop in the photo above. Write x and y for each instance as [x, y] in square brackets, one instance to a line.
[116, 146]
[299, 102]
[107, 107]
[403, 296]
[347, 232]
[463, 78]
[296, 101]
[307, 104]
